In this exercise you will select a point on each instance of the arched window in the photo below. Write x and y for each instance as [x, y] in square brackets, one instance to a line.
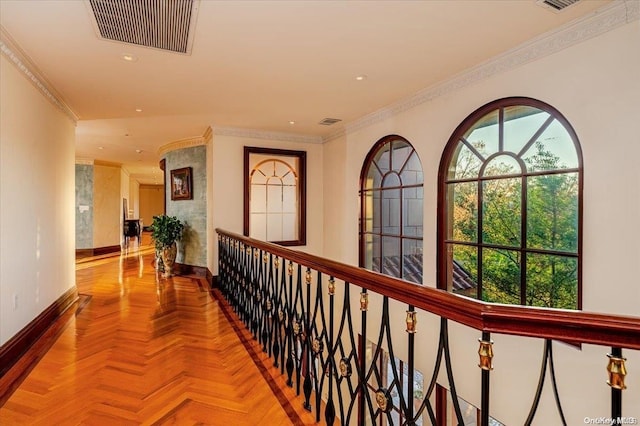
[510, 207]
[391, 210]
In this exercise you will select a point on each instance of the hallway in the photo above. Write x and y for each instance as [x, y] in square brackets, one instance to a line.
[146, 350]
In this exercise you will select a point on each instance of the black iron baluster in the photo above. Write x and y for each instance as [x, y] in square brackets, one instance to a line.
[362, 380]
[221, 264]
[330, 410]
[442, 353]
[255, 277]
[486, 356]
[447, 362]
[346, 359]
[385, 330]
[242, 285]
[281, 314]
[275, 314]
[617, 371]
[306, 351]
[263, 299]
[426, 403]
[244, 300]
[547, 359]
[411, 330]
[290, 319]
[248, 289]
[298, 330]
[227, 274]
[235, 279]
[320, 364]
[271, 302]
[259, 300]
[229, 270]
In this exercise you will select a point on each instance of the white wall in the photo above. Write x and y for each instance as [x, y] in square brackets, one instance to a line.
[335, 245]
[228, 189]
[37, 173]
[596, 86]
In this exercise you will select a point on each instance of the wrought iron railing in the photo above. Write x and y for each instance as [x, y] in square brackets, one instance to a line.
[313, 317]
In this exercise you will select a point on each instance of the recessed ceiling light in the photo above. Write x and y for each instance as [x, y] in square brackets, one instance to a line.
[139, 151]
[129, 58]
[292, 122]
[100, 147]
[138, 109]
[361, 77]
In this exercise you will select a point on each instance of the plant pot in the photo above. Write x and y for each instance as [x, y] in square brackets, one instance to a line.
[168, 256]
[158, 261]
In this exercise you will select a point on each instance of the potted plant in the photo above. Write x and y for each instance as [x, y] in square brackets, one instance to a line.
[165, 231]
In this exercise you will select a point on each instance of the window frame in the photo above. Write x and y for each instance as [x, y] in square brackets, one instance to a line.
[444, 212]
[367, 163]
[278, 154]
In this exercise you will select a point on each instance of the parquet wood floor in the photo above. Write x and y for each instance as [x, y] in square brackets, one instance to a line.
[147, 350]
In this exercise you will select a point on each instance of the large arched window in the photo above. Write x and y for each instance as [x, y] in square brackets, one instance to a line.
[510, 207]
[391, 210]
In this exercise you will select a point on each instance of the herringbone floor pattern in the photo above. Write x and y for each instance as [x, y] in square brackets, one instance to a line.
[146, 351]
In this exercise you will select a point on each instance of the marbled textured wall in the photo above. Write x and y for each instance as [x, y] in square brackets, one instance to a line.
[192, 250]
[84, 206]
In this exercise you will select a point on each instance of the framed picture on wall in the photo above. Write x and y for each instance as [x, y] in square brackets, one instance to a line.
[181, 184]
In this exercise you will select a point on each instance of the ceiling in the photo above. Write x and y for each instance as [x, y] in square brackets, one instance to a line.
[259, 65]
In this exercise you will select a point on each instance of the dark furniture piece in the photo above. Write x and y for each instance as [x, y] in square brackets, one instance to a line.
[132, 228]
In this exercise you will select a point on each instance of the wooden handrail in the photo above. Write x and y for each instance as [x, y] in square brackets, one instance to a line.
[557, 324]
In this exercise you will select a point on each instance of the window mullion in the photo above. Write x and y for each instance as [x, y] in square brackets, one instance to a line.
[523, 242]
[479, 238]
[401, 231]
[501, 130]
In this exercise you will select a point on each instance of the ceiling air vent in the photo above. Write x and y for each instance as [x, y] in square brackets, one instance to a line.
[556, 5]
[329, 121]
[160, 24]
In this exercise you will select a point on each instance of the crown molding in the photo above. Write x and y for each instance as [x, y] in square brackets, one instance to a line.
[23, 63]
[341, 132]
[262, 134]
[181, 144]
[618, 13]
[84, 161]
[208, 135]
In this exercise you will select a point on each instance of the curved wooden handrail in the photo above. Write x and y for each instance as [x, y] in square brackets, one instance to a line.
[557, 324]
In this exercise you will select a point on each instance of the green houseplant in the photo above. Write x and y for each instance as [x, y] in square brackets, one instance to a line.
[165, 232]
